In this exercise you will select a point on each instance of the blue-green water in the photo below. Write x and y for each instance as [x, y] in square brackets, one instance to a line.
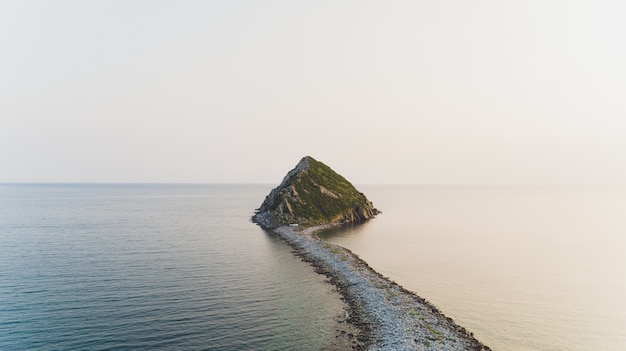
[152, 267]
[169, 267]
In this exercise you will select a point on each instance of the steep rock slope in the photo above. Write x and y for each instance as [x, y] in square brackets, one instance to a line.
[313, 194]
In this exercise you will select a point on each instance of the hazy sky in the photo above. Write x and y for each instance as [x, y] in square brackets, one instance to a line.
[529, 92]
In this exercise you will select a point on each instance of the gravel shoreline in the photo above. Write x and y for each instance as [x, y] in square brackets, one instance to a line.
[388, 316]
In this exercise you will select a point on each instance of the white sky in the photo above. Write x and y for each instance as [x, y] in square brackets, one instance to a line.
[426, 92]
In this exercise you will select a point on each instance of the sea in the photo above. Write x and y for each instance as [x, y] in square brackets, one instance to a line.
[524, 268]
[164, 267]
[152, 267]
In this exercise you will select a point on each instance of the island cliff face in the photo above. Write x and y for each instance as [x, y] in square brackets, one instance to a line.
[313, 194]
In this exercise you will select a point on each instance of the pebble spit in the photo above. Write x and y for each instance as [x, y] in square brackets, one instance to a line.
[388, 316]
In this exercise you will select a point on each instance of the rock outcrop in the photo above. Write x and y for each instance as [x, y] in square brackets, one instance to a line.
[313, 194]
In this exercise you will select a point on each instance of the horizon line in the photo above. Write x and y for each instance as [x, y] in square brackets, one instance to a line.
[359, 184]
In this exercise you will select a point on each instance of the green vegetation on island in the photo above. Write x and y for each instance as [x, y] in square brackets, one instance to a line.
[313, 194]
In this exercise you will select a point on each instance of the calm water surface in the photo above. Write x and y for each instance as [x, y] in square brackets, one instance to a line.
[114, 267]
[147, 267]
[524, 268]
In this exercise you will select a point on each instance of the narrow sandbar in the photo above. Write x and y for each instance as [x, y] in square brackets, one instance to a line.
[388, 316]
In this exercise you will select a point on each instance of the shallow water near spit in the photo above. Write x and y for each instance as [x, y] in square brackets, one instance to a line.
[524, 268]
[152, 267]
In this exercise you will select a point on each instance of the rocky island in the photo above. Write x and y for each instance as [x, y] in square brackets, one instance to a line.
[382, 315]
[313, 194]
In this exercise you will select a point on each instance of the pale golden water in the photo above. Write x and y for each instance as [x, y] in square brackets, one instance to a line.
[524, 268]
